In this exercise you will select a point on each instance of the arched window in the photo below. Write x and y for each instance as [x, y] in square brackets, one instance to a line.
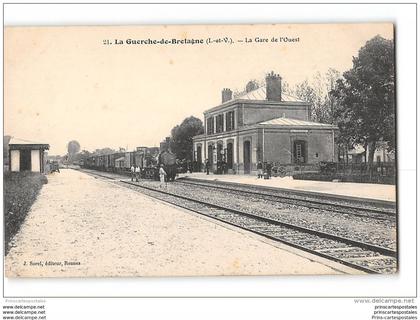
[219, 151]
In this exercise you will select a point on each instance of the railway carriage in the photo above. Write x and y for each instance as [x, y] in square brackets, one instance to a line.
[149, 160]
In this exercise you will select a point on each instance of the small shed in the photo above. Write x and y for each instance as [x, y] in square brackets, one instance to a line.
[25, 155]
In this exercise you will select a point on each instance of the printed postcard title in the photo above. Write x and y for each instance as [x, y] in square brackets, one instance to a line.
[200, 41]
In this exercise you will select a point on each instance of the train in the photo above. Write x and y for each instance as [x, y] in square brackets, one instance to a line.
[148, 159]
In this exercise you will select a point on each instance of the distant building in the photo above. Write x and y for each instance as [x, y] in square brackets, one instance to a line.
[27, 155]
[381, 155]
[263, 124]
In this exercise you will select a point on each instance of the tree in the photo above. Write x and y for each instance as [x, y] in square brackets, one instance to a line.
[305, 92]
[317, 94]
[331, 78]
[286, 88]
[181, 137]
[103, 151]
[73, 147]
[81, 156]
[365, 96]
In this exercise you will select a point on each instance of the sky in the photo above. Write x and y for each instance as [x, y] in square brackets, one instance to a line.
[66, 83]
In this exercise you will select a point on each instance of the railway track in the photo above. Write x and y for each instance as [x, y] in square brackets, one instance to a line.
[356, 254]
[323, 203]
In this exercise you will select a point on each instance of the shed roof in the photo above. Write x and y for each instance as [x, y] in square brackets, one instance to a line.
[16, 142]
[287, 122]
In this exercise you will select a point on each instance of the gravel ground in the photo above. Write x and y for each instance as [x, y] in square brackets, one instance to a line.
[80, 226]
[373, 231]
[336, 249]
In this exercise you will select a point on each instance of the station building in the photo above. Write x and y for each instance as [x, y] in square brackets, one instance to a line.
[263, 124]
[27, 155]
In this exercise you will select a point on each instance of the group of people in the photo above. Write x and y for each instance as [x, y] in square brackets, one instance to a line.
[221, 167]
[135, 174]
[264, 170]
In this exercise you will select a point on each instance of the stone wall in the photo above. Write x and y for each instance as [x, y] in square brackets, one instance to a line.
[258, 113]
[321, 143]
[278, 145]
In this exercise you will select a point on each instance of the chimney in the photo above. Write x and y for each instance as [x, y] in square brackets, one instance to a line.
[273, 86]
[226, 95]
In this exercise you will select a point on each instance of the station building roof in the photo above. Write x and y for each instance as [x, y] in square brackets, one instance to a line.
[287, 122]
[259, 97]
[261, 94]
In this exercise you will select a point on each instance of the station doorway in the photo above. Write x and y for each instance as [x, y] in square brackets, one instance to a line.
[247, 157]
[25, 160]
[210, 154]
[229, 155]
[199, 160]
[219, 152]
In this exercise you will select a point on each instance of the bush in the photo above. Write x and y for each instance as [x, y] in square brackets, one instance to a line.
[20, 192]
[364, 178]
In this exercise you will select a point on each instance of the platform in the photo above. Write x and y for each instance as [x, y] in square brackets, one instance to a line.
[346, 189]
[85, 227]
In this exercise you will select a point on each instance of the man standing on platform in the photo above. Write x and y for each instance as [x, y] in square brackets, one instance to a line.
[137, 173]
[132, 173]
[269, 166]
[162, 176]
[260, 169]
[207, 166]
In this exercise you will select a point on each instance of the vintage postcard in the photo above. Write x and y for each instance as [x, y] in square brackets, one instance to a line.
[198, 150]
